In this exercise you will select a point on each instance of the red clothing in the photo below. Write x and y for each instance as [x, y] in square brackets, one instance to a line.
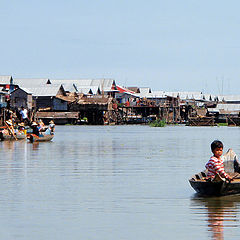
[215, 166]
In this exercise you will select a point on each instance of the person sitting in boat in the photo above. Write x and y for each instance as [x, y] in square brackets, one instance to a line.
[41, 126]
[21, 126]
[35, 129]
[10, 127]
[51, 128]
[215, 165]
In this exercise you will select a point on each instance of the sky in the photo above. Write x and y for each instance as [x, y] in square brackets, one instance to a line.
[172, 45]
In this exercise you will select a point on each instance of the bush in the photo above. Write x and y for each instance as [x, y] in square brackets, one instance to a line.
[158, 123]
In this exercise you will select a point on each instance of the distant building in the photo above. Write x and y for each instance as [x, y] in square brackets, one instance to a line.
[21, 97]
[40, 98]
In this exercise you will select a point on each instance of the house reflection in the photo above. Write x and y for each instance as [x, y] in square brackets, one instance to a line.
[221, 213]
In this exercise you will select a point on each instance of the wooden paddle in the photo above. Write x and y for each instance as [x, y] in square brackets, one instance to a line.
[236, 176]
[11, 131]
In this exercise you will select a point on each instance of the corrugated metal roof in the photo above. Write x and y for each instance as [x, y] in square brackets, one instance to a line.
[47, 91]
[69, 87]
[82, 82]
[103, 84]
[185, 95]
[144, 90]
[5, 79]
[156, 94]
[106, 84]
[226, 108]
[30, 82]
[229, 98]
[95, 90]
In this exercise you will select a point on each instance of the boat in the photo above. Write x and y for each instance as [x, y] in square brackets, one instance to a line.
[4, 135]
[41, 138]
[219, 186]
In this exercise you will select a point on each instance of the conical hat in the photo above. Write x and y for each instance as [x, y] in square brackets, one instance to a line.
[9, 122]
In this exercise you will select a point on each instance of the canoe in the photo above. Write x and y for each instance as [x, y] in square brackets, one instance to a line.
[219, 186]
[41, 138]
[19, 136]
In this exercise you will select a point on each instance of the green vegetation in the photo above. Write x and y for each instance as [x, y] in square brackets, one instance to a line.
[84, 119]
[222, 124]
[158, 123]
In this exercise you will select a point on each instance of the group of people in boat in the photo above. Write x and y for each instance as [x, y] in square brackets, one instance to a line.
[18, 123]
[21, 130]
[39, 129]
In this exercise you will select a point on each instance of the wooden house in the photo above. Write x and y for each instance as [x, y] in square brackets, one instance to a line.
[40, 97]
[21, 97]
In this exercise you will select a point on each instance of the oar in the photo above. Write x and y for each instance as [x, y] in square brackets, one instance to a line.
[11, 131]
[236, 176]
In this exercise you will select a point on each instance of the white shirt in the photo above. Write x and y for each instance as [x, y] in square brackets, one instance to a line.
[24, 113]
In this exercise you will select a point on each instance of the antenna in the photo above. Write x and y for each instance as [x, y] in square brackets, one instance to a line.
[222, 83]
[218, 86]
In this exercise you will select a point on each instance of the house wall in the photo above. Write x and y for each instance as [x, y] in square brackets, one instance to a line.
[59, 105]
[53, 103]
[20, 98]
[43, 102]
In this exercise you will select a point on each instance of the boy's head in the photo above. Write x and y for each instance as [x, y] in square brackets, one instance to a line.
[217, 148]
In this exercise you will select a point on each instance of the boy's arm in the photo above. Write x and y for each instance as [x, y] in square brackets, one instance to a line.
[219, 168]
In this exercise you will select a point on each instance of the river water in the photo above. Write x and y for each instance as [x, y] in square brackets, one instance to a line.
[114, 183]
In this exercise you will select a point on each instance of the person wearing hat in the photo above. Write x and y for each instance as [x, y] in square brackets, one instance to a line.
[21, 127]
[9, 122]
[50, 129]
[52, 126]
[35, 128]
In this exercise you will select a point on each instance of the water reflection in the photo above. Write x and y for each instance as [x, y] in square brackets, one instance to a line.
[221, 213]
[35, 145]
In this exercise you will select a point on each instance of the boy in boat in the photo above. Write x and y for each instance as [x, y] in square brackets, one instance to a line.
[215, 165]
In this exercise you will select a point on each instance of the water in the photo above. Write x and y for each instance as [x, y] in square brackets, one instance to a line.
[114, 183]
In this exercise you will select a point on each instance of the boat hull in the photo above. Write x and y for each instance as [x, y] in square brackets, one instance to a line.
[6, 137]
[221, 188]
[44, 138]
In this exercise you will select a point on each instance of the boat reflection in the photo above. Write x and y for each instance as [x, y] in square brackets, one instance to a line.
[221, 213]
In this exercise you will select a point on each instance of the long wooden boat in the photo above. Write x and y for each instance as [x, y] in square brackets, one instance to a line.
[219, 186]
[41, 138]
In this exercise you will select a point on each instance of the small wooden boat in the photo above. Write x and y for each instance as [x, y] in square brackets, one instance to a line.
[41, 138]
[219, 186]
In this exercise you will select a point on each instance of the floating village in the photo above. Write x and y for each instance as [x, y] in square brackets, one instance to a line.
[104, 102]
